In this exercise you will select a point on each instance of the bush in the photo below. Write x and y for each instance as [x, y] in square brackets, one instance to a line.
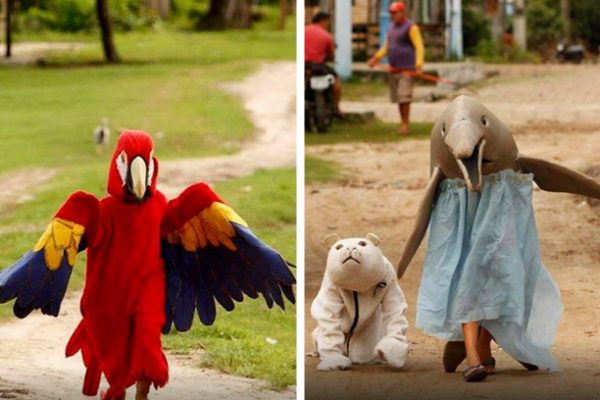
[544, 24]
[475, 30]
[80, 15]
[585, 17]
[491, 51]
[59, 15]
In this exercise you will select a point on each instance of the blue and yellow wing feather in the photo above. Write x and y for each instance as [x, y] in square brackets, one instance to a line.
[39, 279]
[215, 257]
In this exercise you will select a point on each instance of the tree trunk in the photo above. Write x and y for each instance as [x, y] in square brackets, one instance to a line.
[8, 13]
[161, 7]
[106, 32]
[229, 14]
[283, 12]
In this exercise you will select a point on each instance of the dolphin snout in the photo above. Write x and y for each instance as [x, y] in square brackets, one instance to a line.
[462, 139]
[466, 142]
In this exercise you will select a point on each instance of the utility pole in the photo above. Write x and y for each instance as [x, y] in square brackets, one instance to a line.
[343, 38]
[454, 39]
[520, 25]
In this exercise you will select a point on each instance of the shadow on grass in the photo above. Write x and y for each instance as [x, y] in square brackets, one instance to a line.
[370, 131]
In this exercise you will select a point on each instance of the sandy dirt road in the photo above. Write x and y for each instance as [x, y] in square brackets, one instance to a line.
[32, 362]
[384, 186]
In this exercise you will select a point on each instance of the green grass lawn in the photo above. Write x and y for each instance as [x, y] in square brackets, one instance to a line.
[371, 131]
[357, 89]
[318, 170]
[169, 83]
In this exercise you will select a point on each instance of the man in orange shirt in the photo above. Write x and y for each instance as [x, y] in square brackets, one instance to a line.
[406, 53]
[320, 48]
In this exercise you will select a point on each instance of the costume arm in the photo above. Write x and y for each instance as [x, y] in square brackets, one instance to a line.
[417, 41]
[557, 178]
[327, 310]
[393, 347]
[421, 222]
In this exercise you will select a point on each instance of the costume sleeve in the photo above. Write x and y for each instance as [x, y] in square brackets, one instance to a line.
[327, 310]
[382, 52]
[393, 346]
[393, 308]
[417, 41]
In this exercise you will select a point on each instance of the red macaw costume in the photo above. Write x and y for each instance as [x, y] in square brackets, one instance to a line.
[150, 263]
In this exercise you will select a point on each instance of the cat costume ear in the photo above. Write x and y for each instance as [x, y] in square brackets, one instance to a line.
[373, 239]
[331, 239]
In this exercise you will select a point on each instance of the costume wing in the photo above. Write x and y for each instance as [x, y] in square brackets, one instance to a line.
[211, 254]
[40, 278]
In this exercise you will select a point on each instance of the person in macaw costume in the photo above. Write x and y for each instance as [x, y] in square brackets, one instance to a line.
[151, 263]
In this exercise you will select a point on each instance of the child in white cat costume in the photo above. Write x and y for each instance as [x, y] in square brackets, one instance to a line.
[359, 308]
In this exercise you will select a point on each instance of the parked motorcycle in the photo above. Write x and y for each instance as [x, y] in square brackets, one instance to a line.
[573, 53]
[319, 104]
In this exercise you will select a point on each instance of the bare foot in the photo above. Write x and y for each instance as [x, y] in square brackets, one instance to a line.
[403, 130]
[141, 390]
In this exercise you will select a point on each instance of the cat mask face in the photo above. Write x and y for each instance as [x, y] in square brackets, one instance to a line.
[355, 263]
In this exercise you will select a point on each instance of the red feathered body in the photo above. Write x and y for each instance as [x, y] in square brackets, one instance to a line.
[123, 299]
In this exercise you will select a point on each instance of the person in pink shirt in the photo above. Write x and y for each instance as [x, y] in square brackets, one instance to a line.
[320, 48]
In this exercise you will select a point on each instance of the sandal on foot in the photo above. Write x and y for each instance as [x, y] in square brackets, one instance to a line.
[490, 365]
[529, 367]
[454, 354]
[476, 373]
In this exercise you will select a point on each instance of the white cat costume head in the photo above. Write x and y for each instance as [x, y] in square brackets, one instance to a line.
[355, 263]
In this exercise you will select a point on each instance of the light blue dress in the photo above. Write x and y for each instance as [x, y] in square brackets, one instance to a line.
[483, 264]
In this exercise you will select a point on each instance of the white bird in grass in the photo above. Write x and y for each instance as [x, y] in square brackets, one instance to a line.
[102, 135]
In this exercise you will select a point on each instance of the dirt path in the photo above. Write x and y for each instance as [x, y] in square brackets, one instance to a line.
[32, 52]
[33, 365]
[521, 95]
[269, 98]
[385, 186]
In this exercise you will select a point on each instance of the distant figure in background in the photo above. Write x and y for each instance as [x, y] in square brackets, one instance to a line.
[102, 136]
[406, 54]
[508, 42]
[320, 48]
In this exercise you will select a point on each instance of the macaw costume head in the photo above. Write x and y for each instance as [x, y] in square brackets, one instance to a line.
[133, 170]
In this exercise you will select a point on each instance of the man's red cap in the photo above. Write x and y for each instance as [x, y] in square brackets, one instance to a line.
[397, 6]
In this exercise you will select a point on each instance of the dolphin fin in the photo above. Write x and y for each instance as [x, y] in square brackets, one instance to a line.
[556, 178]
[421, 223]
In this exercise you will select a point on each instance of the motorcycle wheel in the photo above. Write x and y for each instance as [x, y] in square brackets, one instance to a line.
[322, 114]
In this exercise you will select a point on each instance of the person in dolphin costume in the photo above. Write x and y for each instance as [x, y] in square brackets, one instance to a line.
[483, 278]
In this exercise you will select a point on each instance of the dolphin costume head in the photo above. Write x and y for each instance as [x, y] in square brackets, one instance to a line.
[468, 141]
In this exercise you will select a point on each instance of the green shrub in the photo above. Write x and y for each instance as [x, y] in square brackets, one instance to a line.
[59, 15]
[585, 17]
[475, 30]
[544, 24]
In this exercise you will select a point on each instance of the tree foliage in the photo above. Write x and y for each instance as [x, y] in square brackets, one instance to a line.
[585, 15]
[544, 24]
